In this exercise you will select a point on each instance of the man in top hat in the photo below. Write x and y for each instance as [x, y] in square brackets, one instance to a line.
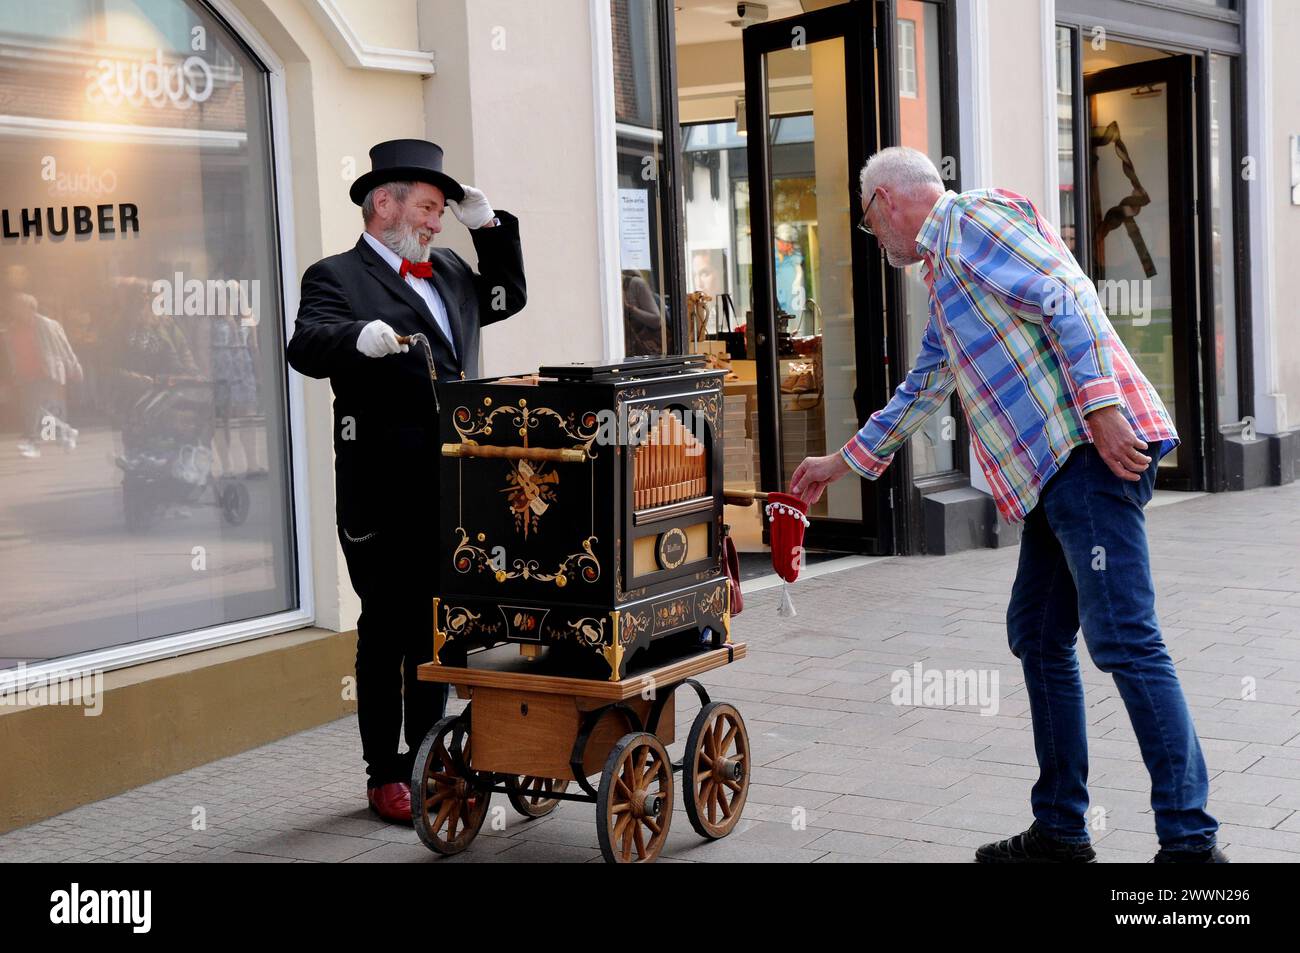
[355, 308]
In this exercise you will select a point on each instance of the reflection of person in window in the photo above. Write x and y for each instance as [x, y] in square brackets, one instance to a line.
[707, 276]
[642, 321]
[84, 334]
[790, 294]
[1067, 236]
[148, 345]
[233, 344]
[708, 267]
[42, 364]
[234, 378]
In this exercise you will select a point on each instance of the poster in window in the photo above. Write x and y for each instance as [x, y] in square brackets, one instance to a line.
[634, 229]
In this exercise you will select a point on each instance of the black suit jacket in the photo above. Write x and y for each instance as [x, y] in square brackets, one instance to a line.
[385, 427]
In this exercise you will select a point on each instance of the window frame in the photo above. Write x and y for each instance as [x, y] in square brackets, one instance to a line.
[950, 135]
[608, 129]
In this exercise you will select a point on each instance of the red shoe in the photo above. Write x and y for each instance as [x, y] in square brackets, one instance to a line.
[391, 801]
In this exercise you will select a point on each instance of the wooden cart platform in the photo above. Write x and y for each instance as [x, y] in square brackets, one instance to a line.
[504, 667]
[530, 730]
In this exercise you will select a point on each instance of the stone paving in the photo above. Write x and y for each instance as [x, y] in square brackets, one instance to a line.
[842, 774]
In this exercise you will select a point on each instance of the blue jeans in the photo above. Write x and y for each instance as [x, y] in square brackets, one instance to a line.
[1083, 560]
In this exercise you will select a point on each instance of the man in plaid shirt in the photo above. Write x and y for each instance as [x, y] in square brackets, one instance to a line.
[1069, 433]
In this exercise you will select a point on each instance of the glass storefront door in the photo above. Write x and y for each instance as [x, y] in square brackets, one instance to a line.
[817, 309]
[1143, 227]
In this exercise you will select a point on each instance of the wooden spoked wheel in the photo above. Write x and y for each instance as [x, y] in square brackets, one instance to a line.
[447, 809]
[715, 770]
[635, 803]
[531, 796]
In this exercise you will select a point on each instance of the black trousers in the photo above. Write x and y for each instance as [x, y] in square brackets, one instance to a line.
[392, 571]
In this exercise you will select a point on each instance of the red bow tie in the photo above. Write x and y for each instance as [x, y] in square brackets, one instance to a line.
[421, 269]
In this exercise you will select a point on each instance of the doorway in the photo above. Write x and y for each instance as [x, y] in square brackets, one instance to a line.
[1142, 227]
[818, 292]
[778, 117]
[826, 84]
[1152, 208]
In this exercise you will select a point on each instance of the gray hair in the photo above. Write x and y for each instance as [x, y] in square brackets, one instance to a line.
[398, 190]
[900, 169]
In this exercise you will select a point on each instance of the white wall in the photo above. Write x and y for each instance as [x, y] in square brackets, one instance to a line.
[1015, 106]
[513, 104]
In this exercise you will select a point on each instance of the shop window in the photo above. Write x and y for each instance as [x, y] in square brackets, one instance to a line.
[920, 124]
[716, 181]
[645, 210]
[144, 478]
[715, 175]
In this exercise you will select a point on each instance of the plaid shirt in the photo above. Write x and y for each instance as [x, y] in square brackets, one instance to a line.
[1017, 329]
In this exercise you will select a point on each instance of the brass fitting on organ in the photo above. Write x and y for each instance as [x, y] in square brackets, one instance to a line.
[535, 454]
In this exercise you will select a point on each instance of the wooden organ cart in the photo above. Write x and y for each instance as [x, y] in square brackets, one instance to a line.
[580, 585]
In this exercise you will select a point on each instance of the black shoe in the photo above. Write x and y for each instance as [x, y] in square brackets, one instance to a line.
[1035, 847]
[1211, 856]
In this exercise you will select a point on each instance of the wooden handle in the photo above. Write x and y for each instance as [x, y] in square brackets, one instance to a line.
[515, 453]
[736, 497]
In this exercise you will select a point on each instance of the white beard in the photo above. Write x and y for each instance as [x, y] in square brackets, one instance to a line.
[900, 259]
[404, 241]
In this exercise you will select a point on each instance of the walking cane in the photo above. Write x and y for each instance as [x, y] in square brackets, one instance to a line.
[411, 340]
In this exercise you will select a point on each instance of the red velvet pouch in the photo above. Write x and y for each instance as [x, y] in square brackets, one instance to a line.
[787, 520]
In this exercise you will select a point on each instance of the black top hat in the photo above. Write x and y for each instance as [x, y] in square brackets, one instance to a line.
[406, 160]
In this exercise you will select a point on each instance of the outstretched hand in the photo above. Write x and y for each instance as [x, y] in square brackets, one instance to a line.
[815, 474]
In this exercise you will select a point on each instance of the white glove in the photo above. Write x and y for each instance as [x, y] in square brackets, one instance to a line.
[474, 210]
[377, 339]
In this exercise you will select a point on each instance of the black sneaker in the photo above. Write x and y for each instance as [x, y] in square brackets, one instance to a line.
[1035, 847]
[1211, 856]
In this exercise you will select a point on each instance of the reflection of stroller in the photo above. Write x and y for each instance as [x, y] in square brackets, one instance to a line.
[166, 457]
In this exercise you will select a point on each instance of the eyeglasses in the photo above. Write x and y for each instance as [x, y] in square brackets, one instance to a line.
[862, 225]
